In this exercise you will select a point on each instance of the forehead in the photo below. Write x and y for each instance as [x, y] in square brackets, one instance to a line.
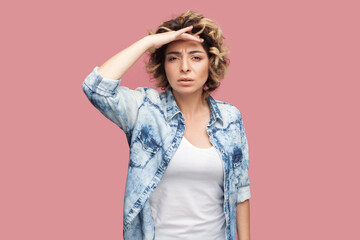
[184, 45]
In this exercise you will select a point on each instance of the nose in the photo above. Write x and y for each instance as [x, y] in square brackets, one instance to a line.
[184, 65]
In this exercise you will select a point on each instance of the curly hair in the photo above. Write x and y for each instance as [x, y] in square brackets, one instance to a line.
[213, 44]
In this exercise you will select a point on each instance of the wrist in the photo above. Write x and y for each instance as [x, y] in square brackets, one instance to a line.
[147, 42]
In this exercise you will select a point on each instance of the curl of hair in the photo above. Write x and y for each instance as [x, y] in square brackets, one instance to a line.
[213, 44]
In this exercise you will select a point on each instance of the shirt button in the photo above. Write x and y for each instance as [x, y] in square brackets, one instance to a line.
[210, 133]
[222, 151]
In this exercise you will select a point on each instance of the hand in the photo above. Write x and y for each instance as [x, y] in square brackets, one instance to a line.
[160, 39]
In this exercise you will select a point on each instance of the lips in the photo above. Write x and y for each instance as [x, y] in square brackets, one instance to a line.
[185, 80]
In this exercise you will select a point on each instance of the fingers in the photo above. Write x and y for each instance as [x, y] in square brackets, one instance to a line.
[192, 37]
[183, 30]
[183, 35]
[186, 29]
[186, 36]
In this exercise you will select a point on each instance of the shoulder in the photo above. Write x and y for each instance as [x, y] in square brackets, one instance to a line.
[147, 94]
[227, 108]
[148, 91]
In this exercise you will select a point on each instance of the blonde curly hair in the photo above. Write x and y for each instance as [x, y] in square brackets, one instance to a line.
[213, 44]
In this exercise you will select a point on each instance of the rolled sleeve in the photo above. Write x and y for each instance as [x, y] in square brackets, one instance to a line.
[243, 194]
[119, 104]
[98, 84]
[244, 180]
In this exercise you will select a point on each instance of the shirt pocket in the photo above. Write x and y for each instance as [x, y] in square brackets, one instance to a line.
[236, 162]
[237, 158]
[144, 148]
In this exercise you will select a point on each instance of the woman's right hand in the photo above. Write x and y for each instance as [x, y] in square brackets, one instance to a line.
[160, 39]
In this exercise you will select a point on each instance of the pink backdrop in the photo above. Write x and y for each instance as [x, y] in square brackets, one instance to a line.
[294, 75]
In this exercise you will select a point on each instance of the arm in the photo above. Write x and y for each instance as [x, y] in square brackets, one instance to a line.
[244, 195]
[243, 220]
[117, 65]
[119, 103]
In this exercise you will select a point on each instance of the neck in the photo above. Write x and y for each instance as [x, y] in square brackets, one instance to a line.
[191, 105]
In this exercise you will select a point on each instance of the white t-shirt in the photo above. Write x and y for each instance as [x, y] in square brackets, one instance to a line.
[188, 202]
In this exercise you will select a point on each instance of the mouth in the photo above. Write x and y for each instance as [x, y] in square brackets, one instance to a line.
[185, 80]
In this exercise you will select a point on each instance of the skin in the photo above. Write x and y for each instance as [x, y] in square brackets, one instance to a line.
[243, 220]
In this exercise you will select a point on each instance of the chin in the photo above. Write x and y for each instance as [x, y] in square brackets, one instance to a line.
[186, 90]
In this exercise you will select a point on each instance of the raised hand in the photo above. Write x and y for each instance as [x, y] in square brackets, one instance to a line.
[159, 39]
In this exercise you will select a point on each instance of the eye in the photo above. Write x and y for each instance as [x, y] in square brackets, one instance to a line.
[197, 58]
[171, 58]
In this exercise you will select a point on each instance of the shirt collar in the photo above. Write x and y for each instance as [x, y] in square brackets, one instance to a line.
[172, 108]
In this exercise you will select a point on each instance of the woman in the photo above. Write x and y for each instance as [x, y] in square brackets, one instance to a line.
[188, 166]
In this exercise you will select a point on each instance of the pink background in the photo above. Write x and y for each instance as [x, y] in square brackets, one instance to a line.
[294, 75]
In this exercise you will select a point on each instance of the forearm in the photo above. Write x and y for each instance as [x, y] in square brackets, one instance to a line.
[243, 220]
[117, 65]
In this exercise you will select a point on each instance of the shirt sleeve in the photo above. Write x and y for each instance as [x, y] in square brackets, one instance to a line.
[243, 181]
[117, 103]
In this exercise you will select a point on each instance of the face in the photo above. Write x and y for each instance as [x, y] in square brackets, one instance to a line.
[186, 59]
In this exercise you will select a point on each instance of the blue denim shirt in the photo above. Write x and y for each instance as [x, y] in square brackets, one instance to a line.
[154, 126]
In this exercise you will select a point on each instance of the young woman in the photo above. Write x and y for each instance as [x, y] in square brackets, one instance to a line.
[188, 165]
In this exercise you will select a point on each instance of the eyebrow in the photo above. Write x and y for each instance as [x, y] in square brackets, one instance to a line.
[178, 53]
